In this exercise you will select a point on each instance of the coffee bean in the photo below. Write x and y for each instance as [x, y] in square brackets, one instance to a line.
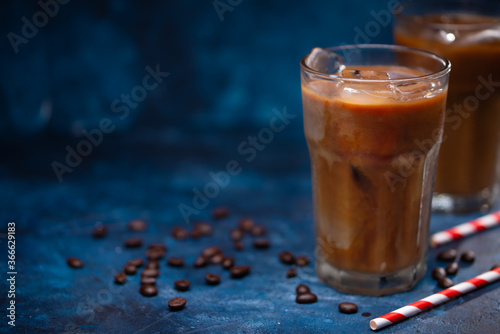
[133, 242]
[150, 272]
[137, 225]
[148, 280]
[155, 254]
[179, 233]
[302, 288]
[452, 268]
[447, 255]
[175, 261]
[217, 259]
[148, 290]
[130, 269]
[158, 246]
[292, 272]
[203, 228]
[438, 273]
[200, 262]
[182, 285]
[228, 262]
[366, 314]
[261, 243]
[136, 262]
[246, 224]
[74, 262]
[306, 298]
[238, 245]
[220, 212]
[236, 234]
[195, 234]
[301, 261]
[212, 279]
[100, 231]
[348, 308]
[258, 230]
[286, 257]
[176, 304]
[468, 256]
[239, 271]
[152, 265]
[495, 266]
[210, 251]
[120, 278]
[445, 283]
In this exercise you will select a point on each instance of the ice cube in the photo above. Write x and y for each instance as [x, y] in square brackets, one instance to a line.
[324, 61]
[365, 74]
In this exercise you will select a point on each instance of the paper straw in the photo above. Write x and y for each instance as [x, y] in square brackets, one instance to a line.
[465, 229]
[435, 299]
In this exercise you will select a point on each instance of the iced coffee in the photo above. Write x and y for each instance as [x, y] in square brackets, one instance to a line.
[373, 125]
[466, 34]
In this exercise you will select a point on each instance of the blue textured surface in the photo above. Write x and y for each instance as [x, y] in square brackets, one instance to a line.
[226, 77]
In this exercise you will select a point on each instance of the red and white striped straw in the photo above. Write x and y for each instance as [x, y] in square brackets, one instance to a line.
[435, 299]
[465, 229]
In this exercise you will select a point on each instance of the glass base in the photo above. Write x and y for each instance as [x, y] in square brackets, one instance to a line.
[461, 204]
[369, 284]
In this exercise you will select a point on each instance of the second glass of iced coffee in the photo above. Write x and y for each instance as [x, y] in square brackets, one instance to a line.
[367, 109]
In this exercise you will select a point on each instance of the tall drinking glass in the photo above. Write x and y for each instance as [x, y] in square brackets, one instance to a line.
[368, 110]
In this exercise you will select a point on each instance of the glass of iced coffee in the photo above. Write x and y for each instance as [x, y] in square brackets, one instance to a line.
[467, 32]
[367, 111]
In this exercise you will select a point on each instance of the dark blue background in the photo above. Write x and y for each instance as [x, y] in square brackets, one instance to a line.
[225, 79]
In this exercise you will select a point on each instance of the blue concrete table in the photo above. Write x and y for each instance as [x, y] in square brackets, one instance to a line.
[147, 174]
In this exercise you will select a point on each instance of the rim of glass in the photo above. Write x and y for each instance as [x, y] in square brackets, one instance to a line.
[445, 69]
[459, 26]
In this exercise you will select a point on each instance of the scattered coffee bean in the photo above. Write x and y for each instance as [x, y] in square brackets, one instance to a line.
[452, 268]
[200, 262]
[203, 228]
[120, 278]
[157, 246]
[100, 231]
[261, 243]
[366, 314]
[130, 269]
[306, 298]
[210, 251]
[148, 280]
[137, 225]
[236, 234]
[447, 255]
[150, 272]
[445, 283]
[246, 224]
[133, 242]
[228, 262]
[348, 308]
[495, 266]
[182, 285]
[74, 262]
[292, 272]
[212, 279]
[286, 257]
[302, 288]
[176, 304]
[301, 261]
[239, 271]
[175, 261]
[155, 254]
[195, 234]
[238, 245]
[468, 256]
[217, 259]
[137, 262]
[220, 212]
[258, 230]
[438, 273]
[148, 290]
[179, 233]
[152, 265]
